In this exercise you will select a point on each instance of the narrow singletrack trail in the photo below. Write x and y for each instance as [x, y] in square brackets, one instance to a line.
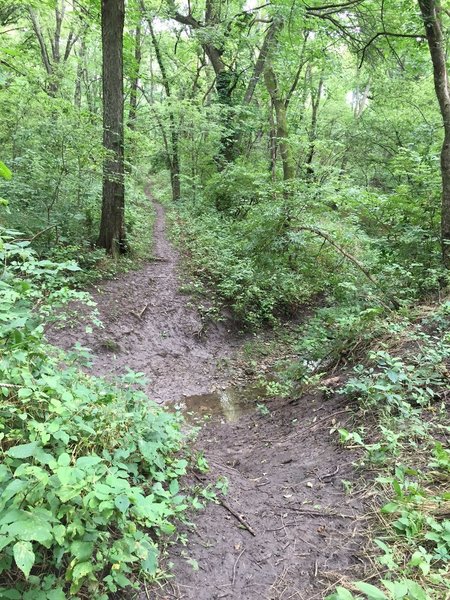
[149, 326]
[286, 529]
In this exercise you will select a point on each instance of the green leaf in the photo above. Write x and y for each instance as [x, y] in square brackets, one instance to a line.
[415, 591]
[398, 589]
[82, 550]
[4, 171]
[372, 592]
[24, 557]
[31, 529]
[174, 488]
[390, 507]
[122, 503]
[10, 594]
[23, 450]
[64, 460]
[84, 462]
[56, 594]
[81, 570]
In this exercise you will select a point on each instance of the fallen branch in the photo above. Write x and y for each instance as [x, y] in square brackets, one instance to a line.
[237, 516]
[352, 259]
[39, 233]
[141, 313]
[235, 566]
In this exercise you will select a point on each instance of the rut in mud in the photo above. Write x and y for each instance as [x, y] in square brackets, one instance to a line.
[286, 529]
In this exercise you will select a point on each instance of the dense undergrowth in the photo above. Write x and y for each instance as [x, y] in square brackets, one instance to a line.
[269, 258]
[89, 474]
[402, 389]
[359, 294]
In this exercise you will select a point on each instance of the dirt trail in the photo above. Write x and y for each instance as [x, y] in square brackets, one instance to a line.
[285, 477]
[150, 327]
[284, 470]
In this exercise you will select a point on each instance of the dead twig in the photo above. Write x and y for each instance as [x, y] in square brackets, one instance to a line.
[39, 233]
[140, 314]
[237, 516]
[319, 513]
[235, 566]
[329, 475]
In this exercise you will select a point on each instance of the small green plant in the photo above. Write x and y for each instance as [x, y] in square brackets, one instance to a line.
[403, 392]
[262, 409]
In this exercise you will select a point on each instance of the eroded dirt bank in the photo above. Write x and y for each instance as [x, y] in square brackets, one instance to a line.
[150, 327]
[286, 529]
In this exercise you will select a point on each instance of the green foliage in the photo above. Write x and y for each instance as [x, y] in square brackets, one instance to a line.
[5, 173]
[396, 385]
[404, 390]
[89, 474]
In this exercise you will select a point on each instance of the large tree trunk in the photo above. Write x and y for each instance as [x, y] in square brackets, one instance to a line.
[436, 43]
[112, 225]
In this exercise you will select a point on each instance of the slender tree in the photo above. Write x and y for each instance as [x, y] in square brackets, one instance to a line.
[173, 154]
[430, 10]
[135, 78]
[112, 225]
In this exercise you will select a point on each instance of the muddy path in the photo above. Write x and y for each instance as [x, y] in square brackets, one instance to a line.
[286, 529]
[302, 533]
[149, 326]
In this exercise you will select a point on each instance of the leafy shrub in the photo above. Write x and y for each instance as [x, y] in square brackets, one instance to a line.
[395, 384]
[89, 473]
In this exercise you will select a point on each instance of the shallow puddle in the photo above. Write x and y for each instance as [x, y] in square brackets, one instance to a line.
[229, 403]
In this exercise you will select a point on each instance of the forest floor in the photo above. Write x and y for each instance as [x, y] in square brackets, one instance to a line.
[286, 529]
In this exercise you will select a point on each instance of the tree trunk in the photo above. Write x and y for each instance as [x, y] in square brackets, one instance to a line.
[437, 46]
[225, 79]
[80, 73]
[112, 225]
[135, 79]
[315, 100]
[174, 155]
[281, 120]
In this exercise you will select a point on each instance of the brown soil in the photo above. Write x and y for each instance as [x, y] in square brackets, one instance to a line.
[285, 476]
[149, 326]
[303, 533]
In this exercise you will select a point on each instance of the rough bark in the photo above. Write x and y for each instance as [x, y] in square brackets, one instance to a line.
[270, 37]
[112, 225]
[430, 11]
